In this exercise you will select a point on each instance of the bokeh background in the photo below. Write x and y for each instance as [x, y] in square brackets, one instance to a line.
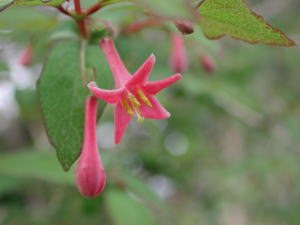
[229, 155]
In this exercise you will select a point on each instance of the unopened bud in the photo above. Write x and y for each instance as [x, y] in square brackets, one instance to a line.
[90, 174]
[184, 26]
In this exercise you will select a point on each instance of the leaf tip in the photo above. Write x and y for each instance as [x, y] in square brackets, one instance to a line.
[66, 167]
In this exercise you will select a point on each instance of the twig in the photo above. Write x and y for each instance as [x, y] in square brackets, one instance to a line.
[63, 10]
[94, 8]
[81, 21]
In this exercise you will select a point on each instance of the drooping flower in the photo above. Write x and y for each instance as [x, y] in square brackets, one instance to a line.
[178, 58]
[134, 94]
[90, 174]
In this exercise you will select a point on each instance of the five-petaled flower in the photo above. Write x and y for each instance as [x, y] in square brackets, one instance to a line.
[134, 94]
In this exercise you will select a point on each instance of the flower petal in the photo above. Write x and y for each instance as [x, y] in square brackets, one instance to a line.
[110, 96]
[142, 74]
[118, 69]
[157, 111]
[154, 87]
[122, 118]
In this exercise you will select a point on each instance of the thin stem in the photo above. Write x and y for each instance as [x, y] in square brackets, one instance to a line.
[101, 4]
[82, 60]
[139, 25]
[94, 8]
[82, 28]
[77, 6]
[81, 22]
[63, 10]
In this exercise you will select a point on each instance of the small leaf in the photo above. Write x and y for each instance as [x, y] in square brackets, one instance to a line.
[62, 95]
[38, 2]
[234, 18]
[125, 209]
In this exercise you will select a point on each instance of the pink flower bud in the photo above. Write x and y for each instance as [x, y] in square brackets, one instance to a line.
[26, 56]
[184, 26]
[178, 59]
[207, 62]
[90, 174]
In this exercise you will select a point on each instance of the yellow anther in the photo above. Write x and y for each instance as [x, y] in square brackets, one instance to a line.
[143, 97]
[132, 106]
[133, 99]
[137, 111]
[127, 107]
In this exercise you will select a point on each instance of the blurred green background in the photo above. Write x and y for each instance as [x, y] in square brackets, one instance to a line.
[229, 155]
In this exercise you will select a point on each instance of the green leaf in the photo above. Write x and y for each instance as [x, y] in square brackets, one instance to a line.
[38, 2]
[17, 19]
[125, 209]
[62, 95]
[32, 164]
[234, 18]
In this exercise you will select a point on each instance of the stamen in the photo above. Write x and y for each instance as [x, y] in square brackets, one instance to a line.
[133, 99]
[127, 107]
[132, 106]
[143, 97]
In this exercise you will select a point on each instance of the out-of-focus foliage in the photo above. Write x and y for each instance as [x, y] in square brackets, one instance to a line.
[229, 155]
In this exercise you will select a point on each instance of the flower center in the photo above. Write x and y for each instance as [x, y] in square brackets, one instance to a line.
[132, 105]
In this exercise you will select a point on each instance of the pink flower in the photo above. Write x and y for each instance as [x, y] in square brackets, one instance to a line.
[90, 174]
[178, 59]
[134, 94]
